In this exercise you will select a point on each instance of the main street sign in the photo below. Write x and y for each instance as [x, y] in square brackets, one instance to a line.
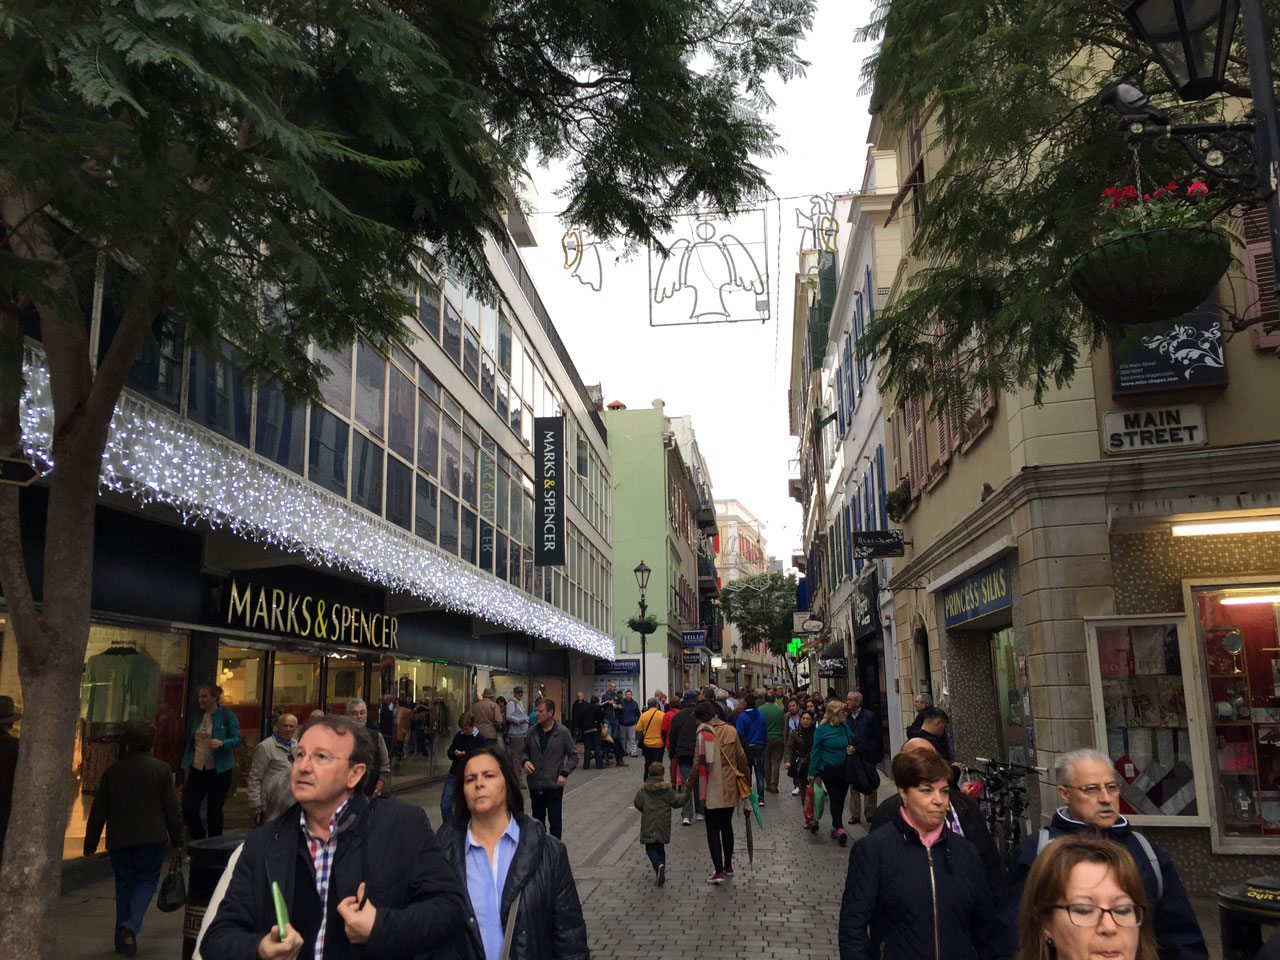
[877, 543]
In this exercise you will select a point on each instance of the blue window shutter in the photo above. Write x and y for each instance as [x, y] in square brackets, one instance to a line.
[843, 419]
[857, 525]
[871, 303]
[884, 514]
[847, 362]
[858, 327]
[869, 503]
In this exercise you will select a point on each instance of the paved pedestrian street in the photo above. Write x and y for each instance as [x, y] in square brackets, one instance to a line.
[785, 904]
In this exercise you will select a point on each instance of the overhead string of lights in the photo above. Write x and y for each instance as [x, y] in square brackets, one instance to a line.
[156, 457]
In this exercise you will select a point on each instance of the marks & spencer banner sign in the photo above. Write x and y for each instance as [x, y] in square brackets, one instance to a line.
[548, 453]
[251, 606]
[978, 594]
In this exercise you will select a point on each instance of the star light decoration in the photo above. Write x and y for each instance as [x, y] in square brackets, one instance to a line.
[157, 457]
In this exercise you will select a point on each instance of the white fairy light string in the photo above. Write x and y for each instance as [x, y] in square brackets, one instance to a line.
[157, 457]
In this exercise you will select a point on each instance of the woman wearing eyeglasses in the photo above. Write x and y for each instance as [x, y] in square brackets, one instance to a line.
[1084, 899]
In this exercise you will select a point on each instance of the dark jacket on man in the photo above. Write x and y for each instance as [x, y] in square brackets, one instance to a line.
[915, 729]
[559, 759]
[974, 825]
[386, 844]
[866, 736]
[137, 803]
[682, 736]
[1178, 935]
[889, 901]
[579, 715]
[629, 712]
[549, 924]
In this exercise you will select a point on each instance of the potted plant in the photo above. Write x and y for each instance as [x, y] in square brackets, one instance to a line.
[897, 501]
[1159, 257]
[643, 625]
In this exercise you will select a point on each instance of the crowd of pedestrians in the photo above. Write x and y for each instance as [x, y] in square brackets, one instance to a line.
[924, 881]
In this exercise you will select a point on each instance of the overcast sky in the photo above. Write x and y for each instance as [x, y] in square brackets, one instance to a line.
[731, 377]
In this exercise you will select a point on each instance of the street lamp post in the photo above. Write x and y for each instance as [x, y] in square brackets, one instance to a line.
[735, 665]
[642, 581]
[1191, 40]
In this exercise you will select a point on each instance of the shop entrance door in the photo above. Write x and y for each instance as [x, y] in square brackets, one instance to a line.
[1013, 697]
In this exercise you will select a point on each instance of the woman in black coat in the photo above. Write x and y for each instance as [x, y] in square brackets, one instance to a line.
[915, 890]
[485, 829]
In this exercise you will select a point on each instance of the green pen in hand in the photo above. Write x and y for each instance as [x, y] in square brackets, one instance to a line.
[282, 912]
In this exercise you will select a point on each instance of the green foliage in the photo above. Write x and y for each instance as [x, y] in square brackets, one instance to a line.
[269, 172]
[761, 607]
[1024, 153]
[643, 625]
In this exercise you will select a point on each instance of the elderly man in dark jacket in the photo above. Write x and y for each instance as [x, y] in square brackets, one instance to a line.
[365, 877]
[1090, 792]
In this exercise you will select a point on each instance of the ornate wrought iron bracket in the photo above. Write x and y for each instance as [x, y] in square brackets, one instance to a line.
[1221, 150]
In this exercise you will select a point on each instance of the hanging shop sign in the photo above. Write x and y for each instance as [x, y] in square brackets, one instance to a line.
[692, 658]
[866, 613]
[1155, 428]
[868, 544]
[1174, 354]
[17, 471]
[548, 433]
[251, 606]
[978, 594]
[833, 668]
[693, 638]
[620, 666]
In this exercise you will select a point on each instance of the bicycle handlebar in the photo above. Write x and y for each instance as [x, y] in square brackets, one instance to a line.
[1009, 766]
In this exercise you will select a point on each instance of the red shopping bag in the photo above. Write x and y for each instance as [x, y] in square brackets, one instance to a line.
[808, 803]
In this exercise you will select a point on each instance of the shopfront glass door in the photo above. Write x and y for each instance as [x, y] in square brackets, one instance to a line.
[1013, 695]
[295, 684]
[345, 682]
[242, 673]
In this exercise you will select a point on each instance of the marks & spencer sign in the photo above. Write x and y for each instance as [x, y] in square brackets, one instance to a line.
[548, 451]
[273, 610]
[978, 594]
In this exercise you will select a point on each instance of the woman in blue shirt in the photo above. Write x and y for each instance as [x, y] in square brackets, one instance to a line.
[209, 761]
[517, 875]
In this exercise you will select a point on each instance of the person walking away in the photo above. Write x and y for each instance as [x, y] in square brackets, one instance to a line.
[753, 732]
[137, 803]
[577, 716]
[655, 800]
[8, 762]
[719, 762]
[378, 779]
[1090, 793]
[922, 702]
[1084, 899]
[682, 740]
[628, 717]
[649, 730]
[914, 889]
[592, 719]
[268, 783]
[550, 756]
[517, 727]
[832, 743]
[354, 873]
[489, 718]
[868, 747]
[799, 744]
[466, 741]
[209, 760]
[771, 710]
[516, 876]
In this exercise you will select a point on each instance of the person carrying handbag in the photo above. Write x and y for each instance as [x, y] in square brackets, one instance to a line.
[832, 745]
[716, 776]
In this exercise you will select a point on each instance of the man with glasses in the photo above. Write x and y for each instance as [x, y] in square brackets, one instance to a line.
[1090, 792]
[351, 871]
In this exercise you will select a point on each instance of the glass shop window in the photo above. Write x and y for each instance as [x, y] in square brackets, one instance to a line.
[366, 474]
[217, 395]
[424, 514]
[371, 388]
[280, 429]
[336, 388]
[327, 456]
[399, 493]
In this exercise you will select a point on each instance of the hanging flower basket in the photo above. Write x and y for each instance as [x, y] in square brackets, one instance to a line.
[643, 625]
[1150, 276]
[1160, 257]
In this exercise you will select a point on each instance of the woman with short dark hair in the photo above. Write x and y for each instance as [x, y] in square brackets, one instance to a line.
[509, 862]
[913, 886]
[137, 803]
[1084, 897]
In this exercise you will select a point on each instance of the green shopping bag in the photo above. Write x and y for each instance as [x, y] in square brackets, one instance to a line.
[819, 799]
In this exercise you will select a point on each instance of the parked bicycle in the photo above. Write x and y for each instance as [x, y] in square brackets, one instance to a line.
[1001, 791]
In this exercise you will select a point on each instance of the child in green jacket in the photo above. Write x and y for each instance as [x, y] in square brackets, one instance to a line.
[655, 800]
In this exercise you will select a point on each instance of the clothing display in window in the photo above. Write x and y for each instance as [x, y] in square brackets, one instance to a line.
[120, 685]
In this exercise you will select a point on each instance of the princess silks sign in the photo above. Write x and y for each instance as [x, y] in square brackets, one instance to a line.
[548, 455]
[273, 610]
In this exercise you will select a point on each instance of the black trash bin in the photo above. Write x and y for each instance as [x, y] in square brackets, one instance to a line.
[206, 860]
[1243, 909]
